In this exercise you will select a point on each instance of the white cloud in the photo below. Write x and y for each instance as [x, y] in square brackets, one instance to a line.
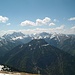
[38, 22]
[8, 24]
[51, 24]
[3, 19]
[46, 20]
[60, 27]
[36, 30]
[71, 19]
[40, 30]
[27, 23]
[73, 27]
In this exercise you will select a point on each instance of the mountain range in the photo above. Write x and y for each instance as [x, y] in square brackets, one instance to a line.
[38, 56]
[61, 41]
[43, 53]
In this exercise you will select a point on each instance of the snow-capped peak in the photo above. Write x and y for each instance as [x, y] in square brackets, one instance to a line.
[17, 38]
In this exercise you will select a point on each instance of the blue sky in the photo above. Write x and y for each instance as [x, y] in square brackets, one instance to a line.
[37, 16]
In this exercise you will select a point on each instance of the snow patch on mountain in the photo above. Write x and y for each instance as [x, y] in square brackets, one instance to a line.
[45, 45]
[17, 38]
[52, 36]
[1, 66]
[29, 45]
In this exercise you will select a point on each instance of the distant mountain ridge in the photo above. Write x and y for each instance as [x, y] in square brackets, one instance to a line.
[61, 41]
